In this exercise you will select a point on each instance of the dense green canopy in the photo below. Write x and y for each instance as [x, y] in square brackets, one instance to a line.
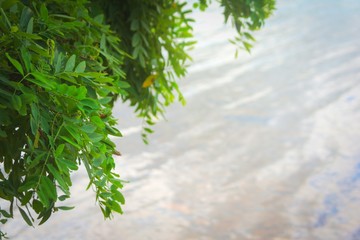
[63, 63]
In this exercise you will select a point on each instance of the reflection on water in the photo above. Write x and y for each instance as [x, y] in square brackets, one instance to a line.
[266, 148]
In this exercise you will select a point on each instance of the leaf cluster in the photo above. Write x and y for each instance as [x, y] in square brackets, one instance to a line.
[246, 16]
[158, 35]
[60, 70]
[63, 63]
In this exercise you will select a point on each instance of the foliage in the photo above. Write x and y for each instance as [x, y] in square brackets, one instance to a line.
[63, 63]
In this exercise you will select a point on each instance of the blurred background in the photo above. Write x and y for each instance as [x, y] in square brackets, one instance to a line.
[267, 146]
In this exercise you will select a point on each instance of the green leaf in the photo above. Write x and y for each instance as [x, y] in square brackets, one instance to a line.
[26, 197]
[42, 80]
[37, 48]
[30, 26]
[100, 183]
[134, 25]
[247, 46]
[58, 178]
[136, 40]
[113, 131]
[58, 62]
[236, 53]
[91, 103]
[26, 58]
[44, 12]
[119, 197]
[26, 14]
[46, 216]
[25, 217]
[123, 84]
[3, 134]
[34, 125]
[97, 162]
[69, 140]
[105, 100]
[33, 46]
[106, 211]
[73, 132]
[35, 112]
[5, 19]
[99, 18]
[136, 52]
[81, 93]
[118, 183]
[70, 64]
[80, 68]
[16, 64]
[105, 195]
[47, 191]
[63, 16]
[103, 42]
[37, 206]
[5, 213]
[29, 184]
[36, 160]
[16, 102]
[97, 121]
[142, 60]
[43, 198]
[149, 130]
[249, 36]
[66, 163]
[66, 208]
[95, 137]
[59, 150]
[63, 197]
[88, 128]
[116, 207]
[23, 109]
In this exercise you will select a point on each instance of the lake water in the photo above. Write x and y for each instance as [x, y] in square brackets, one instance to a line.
[268, 146]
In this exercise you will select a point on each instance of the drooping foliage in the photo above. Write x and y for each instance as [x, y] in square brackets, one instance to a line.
[63, 63]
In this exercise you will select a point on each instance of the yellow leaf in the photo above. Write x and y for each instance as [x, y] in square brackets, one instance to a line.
[36, 141]
[149, 80]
